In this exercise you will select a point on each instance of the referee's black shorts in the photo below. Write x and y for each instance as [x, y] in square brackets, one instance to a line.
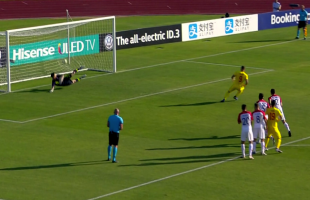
[302, 24]
[113, 138]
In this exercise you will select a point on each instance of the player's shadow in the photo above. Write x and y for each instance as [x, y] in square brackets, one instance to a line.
[254, 41]
[99, 162]
[196, 147]
[196, 104]
[184, 160]
[35, 90]
[208, 138]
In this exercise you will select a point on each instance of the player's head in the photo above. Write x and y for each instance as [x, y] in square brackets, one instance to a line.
[116, 111]
[242, 68]
[53, 75]
[243, 107]
[272, 91]
[256, 106]
[273, 103]
[303, 7]
[260, 96]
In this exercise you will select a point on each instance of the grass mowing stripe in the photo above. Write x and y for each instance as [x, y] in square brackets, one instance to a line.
[219, 64]
[189, 59]
[186, 172]
[134, 98]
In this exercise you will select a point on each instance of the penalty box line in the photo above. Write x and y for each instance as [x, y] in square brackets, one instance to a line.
[129, 99]
[182, 173]
[172, 62]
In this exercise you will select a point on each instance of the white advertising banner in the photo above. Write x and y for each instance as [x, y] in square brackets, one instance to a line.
[219, 27]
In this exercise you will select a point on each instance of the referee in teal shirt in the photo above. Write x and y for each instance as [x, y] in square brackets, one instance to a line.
[115, 124]
[303, 20]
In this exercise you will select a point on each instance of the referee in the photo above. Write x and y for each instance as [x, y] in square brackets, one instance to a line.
[115, 124]
[303, 19]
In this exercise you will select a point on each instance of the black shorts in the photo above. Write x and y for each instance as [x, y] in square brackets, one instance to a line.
[113, 138]
[67, 81]
[302, 24]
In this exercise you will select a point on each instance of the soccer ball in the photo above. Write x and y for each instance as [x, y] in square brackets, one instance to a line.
[65, 61]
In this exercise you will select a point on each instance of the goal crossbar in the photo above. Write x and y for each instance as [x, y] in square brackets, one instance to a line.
[35, 52]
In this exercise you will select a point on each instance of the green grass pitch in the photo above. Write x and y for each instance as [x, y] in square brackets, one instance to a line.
[174, 123]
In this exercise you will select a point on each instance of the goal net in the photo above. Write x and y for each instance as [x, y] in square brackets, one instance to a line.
[36, 52]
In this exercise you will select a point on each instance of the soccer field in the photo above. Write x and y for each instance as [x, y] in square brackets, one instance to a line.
[179, 141]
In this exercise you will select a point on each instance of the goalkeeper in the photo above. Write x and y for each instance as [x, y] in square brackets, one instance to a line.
[65, 80]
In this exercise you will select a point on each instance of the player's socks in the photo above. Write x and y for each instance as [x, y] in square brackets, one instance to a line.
[254, 147]
[243, 149]
[239, 93]
[109, 152]
[287, 126]
[267, 142]
[278, 143]
[226, 95]
[250, 150]
[114, 153]
[262, 144]
[298, 32]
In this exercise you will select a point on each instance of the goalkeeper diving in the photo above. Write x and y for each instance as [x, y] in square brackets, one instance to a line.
[65, 80]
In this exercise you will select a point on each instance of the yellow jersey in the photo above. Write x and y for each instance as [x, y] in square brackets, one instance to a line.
[240, 78]
[274, 115]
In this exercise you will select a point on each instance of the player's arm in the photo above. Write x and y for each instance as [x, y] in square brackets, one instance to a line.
[121, 126]
[108, 124]
[281, 102]
[239, 120]
[246, 79]
[53, 86]
[233, 76]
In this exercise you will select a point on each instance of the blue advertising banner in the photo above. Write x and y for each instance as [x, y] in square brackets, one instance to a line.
[279, 19]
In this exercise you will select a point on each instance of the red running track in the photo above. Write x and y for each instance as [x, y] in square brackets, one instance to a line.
[56, 8]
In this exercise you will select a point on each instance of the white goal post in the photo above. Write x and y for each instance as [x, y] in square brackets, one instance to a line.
[36, 52]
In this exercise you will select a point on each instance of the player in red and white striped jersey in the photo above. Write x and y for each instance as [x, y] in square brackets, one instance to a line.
[260, 122]
[262, 104]
[279, 105]
[245, 118]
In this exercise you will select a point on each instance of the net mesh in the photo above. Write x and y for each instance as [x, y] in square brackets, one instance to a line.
[3, 71]
[39, 51]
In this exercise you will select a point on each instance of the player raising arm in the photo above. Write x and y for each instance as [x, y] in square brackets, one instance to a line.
[64, 80]
[278, 105]
[274, 115]
[241, 79]
[259, 128]
[245, 118]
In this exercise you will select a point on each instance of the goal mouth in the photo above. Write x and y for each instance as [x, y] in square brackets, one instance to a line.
[35, 52]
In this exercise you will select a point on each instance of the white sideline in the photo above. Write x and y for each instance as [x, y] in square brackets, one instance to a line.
[167, 63]
[185, 172]
[125, 100]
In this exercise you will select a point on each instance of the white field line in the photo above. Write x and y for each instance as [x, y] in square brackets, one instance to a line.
[219, 64]
[129, 99]
[172, 62]
[182, 173]
[300, 145]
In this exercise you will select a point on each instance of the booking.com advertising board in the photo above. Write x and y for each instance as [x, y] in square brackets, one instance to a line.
[219, 27]
[53, 49]
[279, 19]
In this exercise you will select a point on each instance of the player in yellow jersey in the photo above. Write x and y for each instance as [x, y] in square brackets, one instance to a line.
[274, 115]
[241, 79]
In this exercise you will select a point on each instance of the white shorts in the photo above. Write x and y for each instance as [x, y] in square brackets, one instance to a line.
[247, 135]
[259, 133]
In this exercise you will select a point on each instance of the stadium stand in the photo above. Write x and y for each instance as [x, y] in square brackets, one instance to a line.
[56, 8]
